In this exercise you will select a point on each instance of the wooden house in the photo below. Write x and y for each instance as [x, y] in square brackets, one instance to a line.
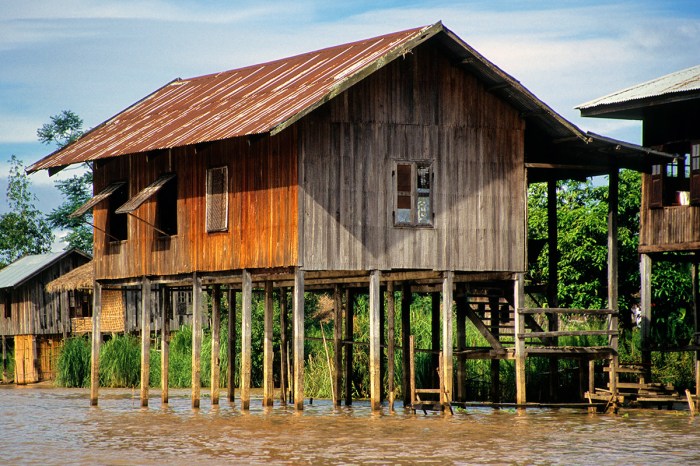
[669, 108]
[35, 319]
[397, 163]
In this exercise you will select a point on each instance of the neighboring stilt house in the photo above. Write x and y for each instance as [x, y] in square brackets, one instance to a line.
[36, 320]
[397, 163]
[669, 109]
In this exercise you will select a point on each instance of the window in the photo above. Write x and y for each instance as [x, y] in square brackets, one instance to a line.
[116, 227]
[695, 174]
[166, 208]
[671, 182]
[413, 200]
[7, 304]
[217, 199]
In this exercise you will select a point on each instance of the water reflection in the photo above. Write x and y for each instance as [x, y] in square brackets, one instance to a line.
[47, 425]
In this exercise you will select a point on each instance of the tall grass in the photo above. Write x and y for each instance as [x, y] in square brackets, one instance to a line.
[120, 362]
[73, 367]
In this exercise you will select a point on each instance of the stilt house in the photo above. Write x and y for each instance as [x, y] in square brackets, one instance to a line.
[669, 109]
[35, 319]
[394, 163]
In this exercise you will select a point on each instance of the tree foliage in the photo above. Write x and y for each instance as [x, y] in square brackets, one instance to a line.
[63, 129]
[23, 230]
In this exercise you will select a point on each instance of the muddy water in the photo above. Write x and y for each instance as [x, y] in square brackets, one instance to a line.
[56, 426]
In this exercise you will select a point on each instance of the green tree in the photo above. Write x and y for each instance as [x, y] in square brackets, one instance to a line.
[24, 229]
[63, 129]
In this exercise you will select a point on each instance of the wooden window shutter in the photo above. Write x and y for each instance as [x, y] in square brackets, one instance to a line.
[695, 174]
[217, 199]
[656, 190]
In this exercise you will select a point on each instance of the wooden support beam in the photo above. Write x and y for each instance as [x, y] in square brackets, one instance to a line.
[374, 341]
[231, 349]
[391, 341]
[406, 361]
[166, 312]
[145, 339]
[196, 339]
[520, 355]
[246, 338]
[4, 359]
[268, 355]
[284, 356]
[645, 267]
[462, 304]
[96, 340]
[349, 337]
[215, 343]
[553, 282]
[337, 344]
[434, 337]
[298, 325]
[696, 323]
[447, 345]
[382, 344]
[613, 265]
[494, 309]
[483, 330]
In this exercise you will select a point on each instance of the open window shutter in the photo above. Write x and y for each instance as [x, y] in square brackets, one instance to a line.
[695, 175]
[656, 191]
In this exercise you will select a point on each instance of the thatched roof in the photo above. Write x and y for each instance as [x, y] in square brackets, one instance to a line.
[80, 278]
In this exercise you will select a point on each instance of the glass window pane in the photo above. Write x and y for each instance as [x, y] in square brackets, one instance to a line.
[423, 213]
[403, 202]
[423, 175]
[403, 178]
[403, 215]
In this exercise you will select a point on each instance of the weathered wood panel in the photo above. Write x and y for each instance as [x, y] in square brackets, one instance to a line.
[674, 228]
[262, 200]
[418, 108]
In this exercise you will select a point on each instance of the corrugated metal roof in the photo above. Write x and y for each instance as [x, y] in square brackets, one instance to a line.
[25, 268]
[678, 82]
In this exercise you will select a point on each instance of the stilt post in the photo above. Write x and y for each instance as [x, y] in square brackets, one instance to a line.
[391, 341]
[447, 345]
[406, 299]
[520, 355]
[196, 339]
[298, 325]
[645, 266]
[96, 340]
[337, 344]
[613, 201]
[349, 337]
[374, 340]
[246, 339]
[231, 349]
[145, 338]
[553, 282]
[215, 343]
[434, 337]
[166, 312]
[696, 326]
[284, 332]
[268, 355]
[462, 303]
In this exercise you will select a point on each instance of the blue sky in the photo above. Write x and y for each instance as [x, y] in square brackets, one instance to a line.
[98, 57]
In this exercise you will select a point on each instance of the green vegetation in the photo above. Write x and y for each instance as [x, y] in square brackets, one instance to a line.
[74, 363]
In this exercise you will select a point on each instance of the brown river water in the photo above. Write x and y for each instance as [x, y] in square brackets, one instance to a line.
[46, 425]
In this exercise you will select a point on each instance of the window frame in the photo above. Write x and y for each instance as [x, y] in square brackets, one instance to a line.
[210, 197]
[414, 194]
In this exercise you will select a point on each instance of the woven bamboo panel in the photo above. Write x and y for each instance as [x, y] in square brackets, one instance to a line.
[48, 358]
[112, 312]
[25, 357]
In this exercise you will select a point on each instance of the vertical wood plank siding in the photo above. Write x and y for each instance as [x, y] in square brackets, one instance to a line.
[262, 209]
[33, 311]
[667, 228]
[419, 107]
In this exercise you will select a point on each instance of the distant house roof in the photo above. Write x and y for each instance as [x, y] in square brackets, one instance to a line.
[80, 278]
[269, 97]
[23, 269]
[681, 85]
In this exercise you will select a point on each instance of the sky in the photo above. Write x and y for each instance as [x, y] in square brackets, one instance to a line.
[98, 57]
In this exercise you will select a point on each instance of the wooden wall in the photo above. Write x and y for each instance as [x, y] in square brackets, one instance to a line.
[33, 310]
[419, 107]
[673, 228]
[262, 209]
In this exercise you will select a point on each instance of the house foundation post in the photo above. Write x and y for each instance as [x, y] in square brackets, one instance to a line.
[447, 364]
[298, 327]
[349, 337]
[645, 266]
[520, 355]
[374, 340]
[268, 355]
[246, 314]
[337, 345]
[231, 349]
[284, 353]
[145, 339]
[215, 343]
[391, 341]
[166, 312]
[196, 339]
[96, 340]
[406, 299]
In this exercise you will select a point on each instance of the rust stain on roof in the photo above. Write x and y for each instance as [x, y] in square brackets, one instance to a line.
[252, 100]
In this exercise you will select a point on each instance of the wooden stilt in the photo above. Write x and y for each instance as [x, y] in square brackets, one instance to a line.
[374, 349]
[495, 363]
[215, 343]
[246, 314]
[382, 345]
[553, 283]
[461, 394]
[645, 267]
[613, 196]
[268, 355]
[391, 341]
[284, 357]
[298, 324]
[196, 339]
[434, 337]
[411, 372]
[406, 299]
[696, 325]
[337, 344]
[591, 376]
[4, 359]
[96, 340]
[145, 338]
[520, 355]
[166, 312]
[349, 337]
[231, 349]
[447, 345]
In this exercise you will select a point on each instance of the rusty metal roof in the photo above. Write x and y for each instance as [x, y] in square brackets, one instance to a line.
[683, 81]
[269, 97]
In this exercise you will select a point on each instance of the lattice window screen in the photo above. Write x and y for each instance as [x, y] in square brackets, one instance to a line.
[217, 199]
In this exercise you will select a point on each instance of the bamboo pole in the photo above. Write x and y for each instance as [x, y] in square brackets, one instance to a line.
[96, 340]
[215, 343]
[268, 355]
[196, 338]
[298, 324]
[246, 307]
[145, 338]
[330, 366]
[166, 312]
